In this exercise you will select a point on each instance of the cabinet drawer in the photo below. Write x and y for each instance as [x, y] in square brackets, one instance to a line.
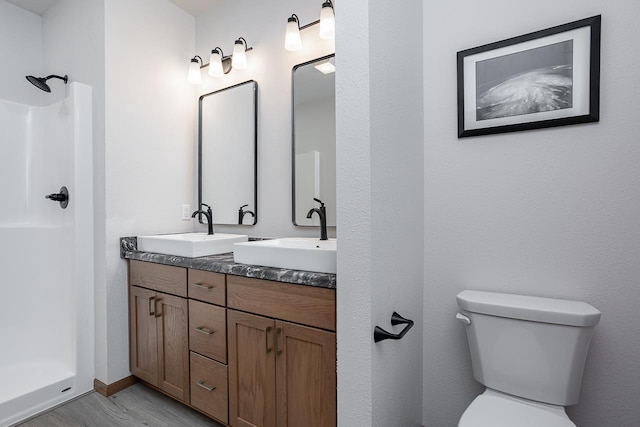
[159, 277]
[209, 392]
[306, 305]
[208, 330]
[207, 286]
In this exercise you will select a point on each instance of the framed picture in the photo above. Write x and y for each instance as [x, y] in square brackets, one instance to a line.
[542, 79]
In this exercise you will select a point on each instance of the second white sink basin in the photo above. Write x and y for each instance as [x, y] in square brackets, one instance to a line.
[190, 244]
[293, 253]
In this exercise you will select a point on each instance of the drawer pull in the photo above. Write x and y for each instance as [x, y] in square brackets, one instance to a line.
[201, 384]
[203, 286]
[204, 330]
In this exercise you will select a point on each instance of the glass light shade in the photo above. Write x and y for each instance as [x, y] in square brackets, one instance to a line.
[292, 41]
[327, 22]
[215, 64]
[239, 57]
[194, 76]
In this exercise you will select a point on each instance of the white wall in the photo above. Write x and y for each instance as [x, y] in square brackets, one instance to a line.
[149, 147]
[380, 212]
[21, 53]
[262, 24]
[550, 212]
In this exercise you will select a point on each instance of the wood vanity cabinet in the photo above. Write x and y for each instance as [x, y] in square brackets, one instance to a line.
[244, 351]
[281, 373]
[159, 346]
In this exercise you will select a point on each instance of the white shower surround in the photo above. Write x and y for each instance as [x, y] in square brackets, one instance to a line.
[46, 254]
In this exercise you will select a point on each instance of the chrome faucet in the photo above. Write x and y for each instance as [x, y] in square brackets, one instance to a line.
[208, 214]
[242, 213]
[322, 213]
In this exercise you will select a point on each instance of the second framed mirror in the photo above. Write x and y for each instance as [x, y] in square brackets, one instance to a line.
[314, 140]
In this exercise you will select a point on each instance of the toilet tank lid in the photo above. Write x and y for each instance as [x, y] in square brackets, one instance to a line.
[536, 309]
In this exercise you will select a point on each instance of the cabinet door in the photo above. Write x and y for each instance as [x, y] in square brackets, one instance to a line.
[306, 376]
[252, 382]
[143, 336]
[173, 345]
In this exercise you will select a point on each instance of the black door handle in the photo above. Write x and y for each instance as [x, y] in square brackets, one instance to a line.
[62, 197]
[380, 334]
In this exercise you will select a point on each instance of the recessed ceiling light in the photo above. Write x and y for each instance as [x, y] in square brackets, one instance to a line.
[326, 67]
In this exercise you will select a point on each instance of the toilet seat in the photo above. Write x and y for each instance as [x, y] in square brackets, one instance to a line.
[495, 409]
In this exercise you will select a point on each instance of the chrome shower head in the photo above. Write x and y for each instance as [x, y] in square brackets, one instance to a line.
[41, 82]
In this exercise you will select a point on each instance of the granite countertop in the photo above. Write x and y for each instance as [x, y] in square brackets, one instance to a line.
[224, 263]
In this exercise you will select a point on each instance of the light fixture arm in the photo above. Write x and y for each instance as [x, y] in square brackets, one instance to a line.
[196, 60]
[246, 46]
[294, 18]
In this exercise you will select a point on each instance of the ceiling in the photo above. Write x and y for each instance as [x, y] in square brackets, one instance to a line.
[35, 6]
[194, 7]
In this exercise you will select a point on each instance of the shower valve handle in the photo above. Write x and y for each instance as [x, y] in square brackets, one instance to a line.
[62, 197]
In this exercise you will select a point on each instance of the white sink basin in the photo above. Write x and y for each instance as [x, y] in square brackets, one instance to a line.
[293, 253]
[190, 244]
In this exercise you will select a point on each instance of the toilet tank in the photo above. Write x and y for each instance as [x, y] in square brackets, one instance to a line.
[530, 347]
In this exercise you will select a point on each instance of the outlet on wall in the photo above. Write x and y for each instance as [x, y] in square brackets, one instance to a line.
[186, 212]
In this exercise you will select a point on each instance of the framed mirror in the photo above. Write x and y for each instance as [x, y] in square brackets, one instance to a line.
[227, 153]
[314, 140]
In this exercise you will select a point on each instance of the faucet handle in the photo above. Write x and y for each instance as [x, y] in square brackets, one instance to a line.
[319, 201]
[206, 205]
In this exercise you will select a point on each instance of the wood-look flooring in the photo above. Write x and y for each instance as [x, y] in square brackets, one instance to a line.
[137, 405]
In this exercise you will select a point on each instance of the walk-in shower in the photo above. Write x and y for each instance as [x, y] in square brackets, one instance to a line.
[46, 254]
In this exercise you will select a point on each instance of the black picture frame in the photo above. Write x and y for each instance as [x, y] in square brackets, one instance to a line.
[542, 79]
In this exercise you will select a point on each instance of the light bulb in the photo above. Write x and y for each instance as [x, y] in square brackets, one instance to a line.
[327, 21]
[239, 57]
[215, 63]
[292, 41]
[194, 76]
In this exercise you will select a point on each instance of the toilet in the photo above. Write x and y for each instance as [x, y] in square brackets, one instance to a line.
[529, 353]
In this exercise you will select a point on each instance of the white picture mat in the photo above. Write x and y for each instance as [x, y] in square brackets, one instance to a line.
[581, 79]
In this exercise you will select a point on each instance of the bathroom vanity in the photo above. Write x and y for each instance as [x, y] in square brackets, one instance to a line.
[245, 345]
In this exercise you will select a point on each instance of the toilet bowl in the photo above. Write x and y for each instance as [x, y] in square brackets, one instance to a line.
[529, 353]
[495, 409]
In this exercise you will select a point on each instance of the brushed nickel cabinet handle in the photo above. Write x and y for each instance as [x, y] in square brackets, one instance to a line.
[204, 330]
[152, 307]
[203, 286]
[278, 332]
[201, 384]
[155, 305]
[266, 339]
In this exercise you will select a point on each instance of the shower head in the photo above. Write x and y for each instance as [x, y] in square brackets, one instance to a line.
[41, 82]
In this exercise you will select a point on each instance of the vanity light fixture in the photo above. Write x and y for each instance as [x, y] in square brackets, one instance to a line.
[327, 21]
[239, 56]
[292, 40]
[219, 64]
[194, 76]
